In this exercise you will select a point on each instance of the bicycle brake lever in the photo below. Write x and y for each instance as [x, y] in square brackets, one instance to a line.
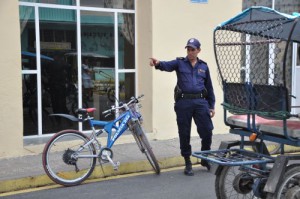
[107, 115]
[139, 97]
[107, 111]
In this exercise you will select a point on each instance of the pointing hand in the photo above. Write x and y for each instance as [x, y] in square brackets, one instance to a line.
[153, 62]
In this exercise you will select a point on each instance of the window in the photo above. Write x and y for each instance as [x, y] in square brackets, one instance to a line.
[58, 82]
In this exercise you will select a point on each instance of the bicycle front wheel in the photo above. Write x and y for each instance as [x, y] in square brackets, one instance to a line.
[66, 161]
[144, 145]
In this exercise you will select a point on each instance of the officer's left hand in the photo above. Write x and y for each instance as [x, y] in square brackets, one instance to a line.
[212, 113]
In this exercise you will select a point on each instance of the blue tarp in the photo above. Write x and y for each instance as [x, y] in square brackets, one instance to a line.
[29, 54]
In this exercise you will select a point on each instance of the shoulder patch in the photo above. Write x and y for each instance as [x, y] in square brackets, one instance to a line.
[181, 58]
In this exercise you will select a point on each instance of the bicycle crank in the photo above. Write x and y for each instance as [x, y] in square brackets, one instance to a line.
[106, 155]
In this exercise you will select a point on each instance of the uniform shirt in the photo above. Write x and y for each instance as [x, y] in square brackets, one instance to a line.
[191, 79]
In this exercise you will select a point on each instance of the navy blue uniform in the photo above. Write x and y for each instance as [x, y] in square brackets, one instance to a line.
[192, 80]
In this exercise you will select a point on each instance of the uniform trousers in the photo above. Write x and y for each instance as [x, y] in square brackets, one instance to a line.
[197, 109]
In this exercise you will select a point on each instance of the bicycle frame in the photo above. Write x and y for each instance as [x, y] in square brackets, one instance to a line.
[114, 129]
[109, 127]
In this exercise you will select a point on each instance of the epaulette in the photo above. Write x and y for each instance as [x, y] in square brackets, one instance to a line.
[201, 61]
[181, 58]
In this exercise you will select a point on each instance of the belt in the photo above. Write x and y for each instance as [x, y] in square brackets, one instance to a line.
[192, 96]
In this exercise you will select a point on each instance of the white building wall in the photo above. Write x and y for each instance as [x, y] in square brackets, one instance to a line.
[162, 29]
[11, 117]
[174, 22]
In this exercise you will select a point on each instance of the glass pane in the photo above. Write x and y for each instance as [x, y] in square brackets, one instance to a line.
[30, 117]
[287, 6]
[249, 3]
[296, 76]
[98, 60]
[126, 86]
[59, 76]
[27, 27]
[126, 41]
[121, 4]
[59, 2]
[298, 56]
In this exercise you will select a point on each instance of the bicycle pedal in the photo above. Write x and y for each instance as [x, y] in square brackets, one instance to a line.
[116, 166]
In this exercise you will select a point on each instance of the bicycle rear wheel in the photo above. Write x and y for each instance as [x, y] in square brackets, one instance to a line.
[62, 161]
[144, 145]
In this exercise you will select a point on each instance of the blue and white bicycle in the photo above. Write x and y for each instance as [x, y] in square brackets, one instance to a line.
[70, 156]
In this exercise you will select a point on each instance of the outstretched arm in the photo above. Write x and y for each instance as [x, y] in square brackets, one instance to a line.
[168, 66]
[153, 61]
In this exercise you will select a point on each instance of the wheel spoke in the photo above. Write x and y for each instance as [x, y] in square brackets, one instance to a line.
[60, 162]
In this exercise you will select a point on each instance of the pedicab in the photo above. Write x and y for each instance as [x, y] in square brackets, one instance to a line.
[253, 56]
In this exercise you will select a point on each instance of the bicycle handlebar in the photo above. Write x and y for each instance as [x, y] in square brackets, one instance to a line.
[132, 100]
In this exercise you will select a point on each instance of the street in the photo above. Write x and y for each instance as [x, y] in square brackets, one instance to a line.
[170, 184]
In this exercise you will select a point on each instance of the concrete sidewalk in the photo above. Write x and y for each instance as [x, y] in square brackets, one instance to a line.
[27, 171]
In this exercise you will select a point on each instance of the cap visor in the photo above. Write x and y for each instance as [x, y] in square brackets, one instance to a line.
[192, 46]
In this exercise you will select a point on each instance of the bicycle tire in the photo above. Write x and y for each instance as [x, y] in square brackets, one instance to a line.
[59, 162]
[289, 181]
[145, 147]
[225, 184]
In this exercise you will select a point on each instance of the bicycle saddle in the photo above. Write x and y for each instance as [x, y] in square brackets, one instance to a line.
[85, 110]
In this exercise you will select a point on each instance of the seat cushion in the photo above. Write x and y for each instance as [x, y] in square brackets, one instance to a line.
[267, 125]
[241, 121]
[276, 127]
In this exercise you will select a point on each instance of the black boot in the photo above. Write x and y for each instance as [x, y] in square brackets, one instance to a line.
[205, 164]
[188, 170]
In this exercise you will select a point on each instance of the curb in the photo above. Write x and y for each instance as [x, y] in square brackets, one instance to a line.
[125, 168]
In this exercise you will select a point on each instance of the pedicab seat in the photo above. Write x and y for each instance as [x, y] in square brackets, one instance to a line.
[267, 126]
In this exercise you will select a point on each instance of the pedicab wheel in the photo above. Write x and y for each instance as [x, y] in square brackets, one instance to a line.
[233, 183]
[293, 193]
[289, 185]
[273, 148]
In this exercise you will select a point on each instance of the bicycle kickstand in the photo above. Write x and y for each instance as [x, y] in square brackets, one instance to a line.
[115, 165]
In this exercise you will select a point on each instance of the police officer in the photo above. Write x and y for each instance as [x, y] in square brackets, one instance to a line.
[194, 98]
